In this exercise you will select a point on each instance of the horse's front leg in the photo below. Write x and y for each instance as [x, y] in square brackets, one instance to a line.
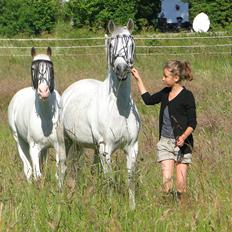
[132, 152]
[60, 156]
[23, 149]
[35, 151]
[60, 164]
[105, 157]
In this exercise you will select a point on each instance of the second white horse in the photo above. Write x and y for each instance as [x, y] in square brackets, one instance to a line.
[33, 116]
[102, 115]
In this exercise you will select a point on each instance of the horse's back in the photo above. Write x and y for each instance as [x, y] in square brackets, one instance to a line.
[83, 88]
[77, 103]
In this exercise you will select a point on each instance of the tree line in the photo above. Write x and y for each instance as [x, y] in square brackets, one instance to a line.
[34, 17]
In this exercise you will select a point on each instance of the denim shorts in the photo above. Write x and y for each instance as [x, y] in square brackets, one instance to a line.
[167, 150]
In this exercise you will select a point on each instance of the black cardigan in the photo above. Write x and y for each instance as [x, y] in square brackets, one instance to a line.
[182, 111]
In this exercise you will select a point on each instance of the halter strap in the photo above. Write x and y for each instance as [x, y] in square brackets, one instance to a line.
[35, 72]
[113, 53]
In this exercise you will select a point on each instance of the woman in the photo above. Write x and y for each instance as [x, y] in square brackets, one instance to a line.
[177, 121]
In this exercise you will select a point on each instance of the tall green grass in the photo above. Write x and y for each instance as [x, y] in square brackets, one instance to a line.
[84, 203]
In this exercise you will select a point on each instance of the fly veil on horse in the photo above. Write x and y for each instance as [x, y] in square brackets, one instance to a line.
[33, 116]
[102, 115]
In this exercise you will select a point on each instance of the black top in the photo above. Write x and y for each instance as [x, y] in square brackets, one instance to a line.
[182, 111]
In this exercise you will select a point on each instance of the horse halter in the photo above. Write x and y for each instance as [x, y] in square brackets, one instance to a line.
[126, 50]
[42, 70]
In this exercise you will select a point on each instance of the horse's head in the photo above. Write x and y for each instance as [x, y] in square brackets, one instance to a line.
[120, 49]
[42, 73]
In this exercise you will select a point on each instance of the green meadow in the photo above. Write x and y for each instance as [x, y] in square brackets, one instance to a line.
[86, 202]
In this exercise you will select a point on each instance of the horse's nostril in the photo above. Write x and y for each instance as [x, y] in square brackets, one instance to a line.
[39, 90]
[119, 68]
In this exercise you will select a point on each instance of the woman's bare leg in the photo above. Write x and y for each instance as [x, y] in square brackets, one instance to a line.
[181, 177]
[167, 172]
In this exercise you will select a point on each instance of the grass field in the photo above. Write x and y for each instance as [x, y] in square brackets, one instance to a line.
[84, 203]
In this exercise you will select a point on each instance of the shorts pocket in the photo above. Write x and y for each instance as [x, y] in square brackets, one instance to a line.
[162, 145]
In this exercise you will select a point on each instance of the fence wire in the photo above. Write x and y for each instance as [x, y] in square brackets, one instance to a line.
[152, 45]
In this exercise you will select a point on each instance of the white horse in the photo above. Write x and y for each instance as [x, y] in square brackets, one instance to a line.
[102, 115]
[33, 116]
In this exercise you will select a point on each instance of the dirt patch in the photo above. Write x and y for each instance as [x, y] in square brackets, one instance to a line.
[8, 87]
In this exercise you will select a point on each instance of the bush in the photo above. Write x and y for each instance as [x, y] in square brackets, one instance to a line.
[28, 16]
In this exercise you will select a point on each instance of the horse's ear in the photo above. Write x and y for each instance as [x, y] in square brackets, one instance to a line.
[130, 25]
[106, 40]
[111, 26]
[49, 51]
[33, 52]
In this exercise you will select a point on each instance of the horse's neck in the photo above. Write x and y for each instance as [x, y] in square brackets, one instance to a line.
[118, 89]
[118, 94]
[45, 109]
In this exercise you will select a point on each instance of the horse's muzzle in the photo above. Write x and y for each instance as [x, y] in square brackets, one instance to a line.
[122, 71]
[43, 91]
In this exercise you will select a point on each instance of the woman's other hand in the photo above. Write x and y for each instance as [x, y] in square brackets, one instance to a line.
[135, 73]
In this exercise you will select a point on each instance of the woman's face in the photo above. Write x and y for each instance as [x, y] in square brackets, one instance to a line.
[168, 78]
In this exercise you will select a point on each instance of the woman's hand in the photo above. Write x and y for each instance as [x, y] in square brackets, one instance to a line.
[137, 77]
[135, 73]
[180, 141]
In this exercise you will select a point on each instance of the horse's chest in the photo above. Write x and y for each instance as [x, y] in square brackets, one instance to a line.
[42, 130]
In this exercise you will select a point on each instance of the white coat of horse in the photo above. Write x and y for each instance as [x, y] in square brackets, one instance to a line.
[102, 115]
[33, 116]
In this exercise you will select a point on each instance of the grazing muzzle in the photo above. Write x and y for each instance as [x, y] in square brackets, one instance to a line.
[42, 75]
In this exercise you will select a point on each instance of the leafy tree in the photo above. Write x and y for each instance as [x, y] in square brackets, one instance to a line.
[118, 10]
[147, 12]
[10, 16]
[39, 15]
[31, 16]
[98, 12]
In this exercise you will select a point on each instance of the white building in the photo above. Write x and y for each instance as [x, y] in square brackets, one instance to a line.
[172, 10]
[174, 15]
